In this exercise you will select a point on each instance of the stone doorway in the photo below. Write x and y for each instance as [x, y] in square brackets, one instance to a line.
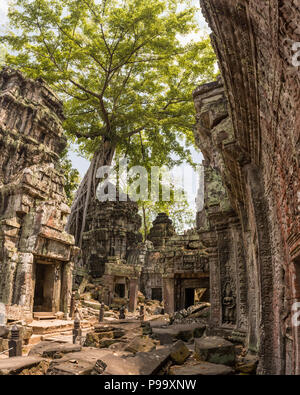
[190, 289]
[44, 287]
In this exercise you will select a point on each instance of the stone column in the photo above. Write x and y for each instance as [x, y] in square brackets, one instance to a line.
[133, 290]
[101, 313]
[15, 343]
[23, 285]
[57, 279]
[67, 283]
[168, 295]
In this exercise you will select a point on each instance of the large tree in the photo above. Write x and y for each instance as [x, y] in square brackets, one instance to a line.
[71, 175]
[125, 72]
[179, 211]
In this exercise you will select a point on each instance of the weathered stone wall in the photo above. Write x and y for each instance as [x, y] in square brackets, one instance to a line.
[111, 248]
[112, 229]
[174, 263]
[33, 207]
[220, 232]
[256, 150]
[152, 272]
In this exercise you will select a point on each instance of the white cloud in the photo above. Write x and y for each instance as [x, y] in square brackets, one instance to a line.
[3, 13]
[3, 8]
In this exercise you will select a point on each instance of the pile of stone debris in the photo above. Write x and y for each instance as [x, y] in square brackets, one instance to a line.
[152, 307]
[25, 333]
[198, 312]
[88, 305]
[135, 347]
[175, 359]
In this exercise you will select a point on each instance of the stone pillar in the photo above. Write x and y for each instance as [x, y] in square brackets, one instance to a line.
[215, 290]
[66, 294]
[77, 332]
[106, 297]
[72, 306]
[142, 313]
[24, 294]
[57, 280]
[133, 290]
[168, 295]
[101, 313]
[15, 343]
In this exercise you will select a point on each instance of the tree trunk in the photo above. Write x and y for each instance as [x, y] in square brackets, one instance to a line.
[145, 222]
[87, 191]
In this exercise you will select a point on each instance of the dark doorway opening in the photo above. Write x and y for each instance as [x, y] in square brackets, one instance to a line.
[120, 290]
[39, 288]
[189, 297]
[43, 288]
[156, 294]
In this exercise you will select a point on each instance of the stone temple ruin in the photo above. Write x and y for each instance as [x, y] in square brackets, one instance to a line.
[111, 232]
[248, 128]
[242, 261]
[176, 268]
[36, 253]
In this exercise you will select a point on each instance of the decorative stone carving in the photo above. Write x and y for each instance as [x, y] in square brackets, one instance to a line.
[36, 253]
[175, 264]
[111, 248]
[229, 305]
[248, 131]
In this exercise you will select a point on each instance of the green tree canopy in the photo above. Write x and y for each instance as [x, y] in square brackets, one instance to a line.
[179, 212]
[123, 71]
[72, 177]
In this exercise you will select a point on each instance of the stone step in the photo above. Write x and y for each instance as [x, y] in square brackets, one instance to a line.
[58, 338]
[44, 316]
[215, 349]
[45, 327]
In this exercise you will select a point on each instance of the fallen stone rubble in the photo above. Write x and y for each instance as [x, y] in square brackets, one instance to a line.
[157, 346]
[191, 314]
